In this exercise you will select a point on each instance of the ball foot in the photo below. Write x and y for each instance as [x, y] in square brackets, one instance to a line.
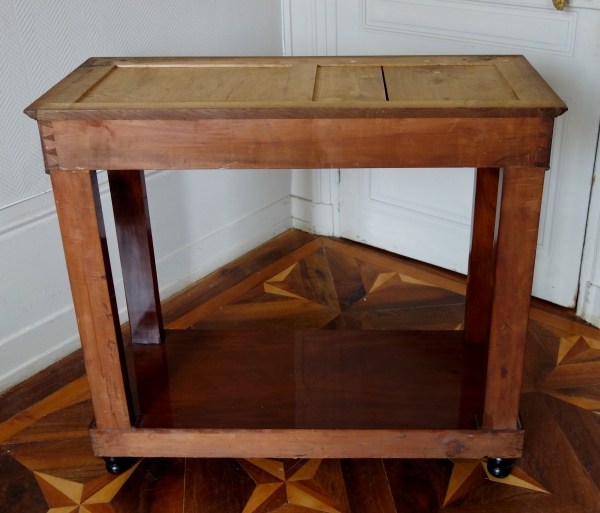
[118, 465]
[500, 467]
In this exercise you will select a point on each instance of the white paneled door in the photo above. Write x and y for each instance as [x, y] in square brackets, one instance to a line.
[426, 213]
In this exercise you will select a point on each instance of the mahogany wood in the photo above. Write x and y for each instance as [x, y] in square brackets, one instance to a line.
[515, 258]
[134, 235]
[306, 443]
[291, 143]
[482, 258]
[108, 361]
[309, 379]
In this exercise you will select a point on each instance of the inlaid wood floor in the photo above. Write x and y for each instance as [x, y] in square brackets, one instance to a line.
[298, 280]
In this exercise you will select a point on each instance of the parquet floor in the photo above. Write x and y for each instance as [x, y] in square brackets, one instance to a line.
[298, 280]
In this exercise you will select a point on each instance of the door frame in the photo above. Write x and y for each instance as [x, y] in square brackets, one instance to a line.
[309, 27]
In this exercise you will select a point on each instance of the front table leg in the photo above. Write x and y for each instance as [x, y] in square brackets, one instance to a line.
[108, 362]
[515, 257]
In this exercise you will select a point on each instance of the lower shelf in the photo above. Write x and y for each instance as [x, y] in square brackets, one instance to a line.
[306, 443]
[320, 380]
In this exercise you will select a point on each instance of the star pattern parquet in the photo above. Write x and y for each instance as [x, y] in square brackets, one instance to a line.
[46, 462]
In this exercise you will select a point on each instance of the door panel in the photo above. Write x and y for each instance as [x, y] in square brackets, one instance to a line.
[427, 215]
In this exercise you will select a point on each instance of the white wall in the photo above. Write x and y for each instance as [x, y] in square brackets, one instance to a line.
[200, 219]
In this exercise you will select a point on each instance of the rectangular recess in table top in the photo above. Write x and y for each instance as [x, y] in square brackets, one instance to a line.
[440, 83]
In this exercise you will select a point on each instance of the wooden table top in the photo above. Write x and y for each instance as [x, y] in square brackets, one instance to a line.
[300, 87]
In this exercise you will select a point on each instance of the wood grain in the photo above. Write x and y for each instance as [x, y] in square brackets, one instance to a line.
[45, 383]
[342, 83]
[482, 257]
[136, 251]
[307, 379]
[292, 143]
[446, 83]
[515, 257]
[306, 443]
[274, 87]
[84, 240]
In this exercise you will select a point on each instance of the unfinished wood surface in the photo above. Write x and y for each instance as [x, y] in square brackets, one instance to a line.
[203, 84]
[515, 257]
[108, 361]
[306, 443]
[446, 83]
[349, 83]
[300, 87]
[300, 143]
[482, 257]
[136, 252]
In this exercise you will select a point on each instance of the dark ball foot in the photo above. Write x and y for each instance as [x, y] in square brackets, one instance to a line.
[500, 467]
[118, 465]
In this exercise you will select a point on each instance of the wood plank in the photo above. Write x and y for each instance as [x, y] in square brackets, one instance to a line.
[284, 144]
[188, 319]
[82, 229]
[368, 486]
[73, 393]
[193, 88]
[444, 280]
[446, 83]
[482, 258]
[193, 84]
[41, 385]
[136, 251]
[233, 273]
[310, 379]
[515, 258]
[216, 485]
[343, 83]
[305, 443]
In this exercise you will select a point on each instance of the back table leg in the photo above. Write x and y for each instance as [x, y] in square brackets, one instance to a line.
[108, 361]
[132, 220]
[482, 257]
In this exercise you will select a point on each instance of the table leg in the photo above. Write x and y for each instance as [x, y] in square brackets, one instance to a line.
[108, 361]
[482, 257]
[134, 235]
[515, 257]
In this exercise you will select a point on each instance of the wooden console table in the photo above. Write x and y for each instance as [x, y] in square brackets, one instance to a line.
[319, 394]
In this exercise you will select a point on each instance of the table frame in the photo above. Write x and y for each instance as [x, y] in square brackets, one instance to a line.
[511, 155]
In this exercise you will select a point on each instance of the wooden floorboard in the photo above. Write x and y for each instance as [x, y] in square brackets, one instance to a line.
[299, 281]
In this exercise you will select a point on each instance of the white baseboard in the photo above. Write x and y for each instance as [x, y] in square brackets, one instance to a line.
[312, 217]
[37, 321]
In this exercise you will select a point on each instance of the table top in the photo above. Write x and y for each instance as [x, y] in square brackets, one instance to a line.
[300, 87]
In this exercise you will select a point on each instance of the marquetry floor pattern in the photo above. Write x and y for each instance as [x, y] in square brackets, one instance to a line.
[46, 464]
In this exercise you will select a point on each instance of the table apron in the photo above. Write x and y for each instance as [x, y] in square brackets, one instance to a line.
[296, 143]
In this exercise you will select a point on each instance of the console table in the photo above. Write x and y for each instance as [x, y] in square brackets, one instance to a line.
[318, 394]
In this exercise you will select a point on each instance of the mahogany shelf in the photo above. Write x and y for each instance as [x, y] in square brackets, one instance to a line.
[310, 380]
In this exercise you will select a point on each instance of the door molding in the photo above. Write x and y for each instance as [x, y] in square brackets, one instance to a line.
[588, 302]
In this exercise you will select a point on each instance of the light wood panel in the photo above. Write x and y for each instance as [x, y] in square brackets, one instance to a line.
[300, 87]
[447, 83]
[349, 83]
[156, 84]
